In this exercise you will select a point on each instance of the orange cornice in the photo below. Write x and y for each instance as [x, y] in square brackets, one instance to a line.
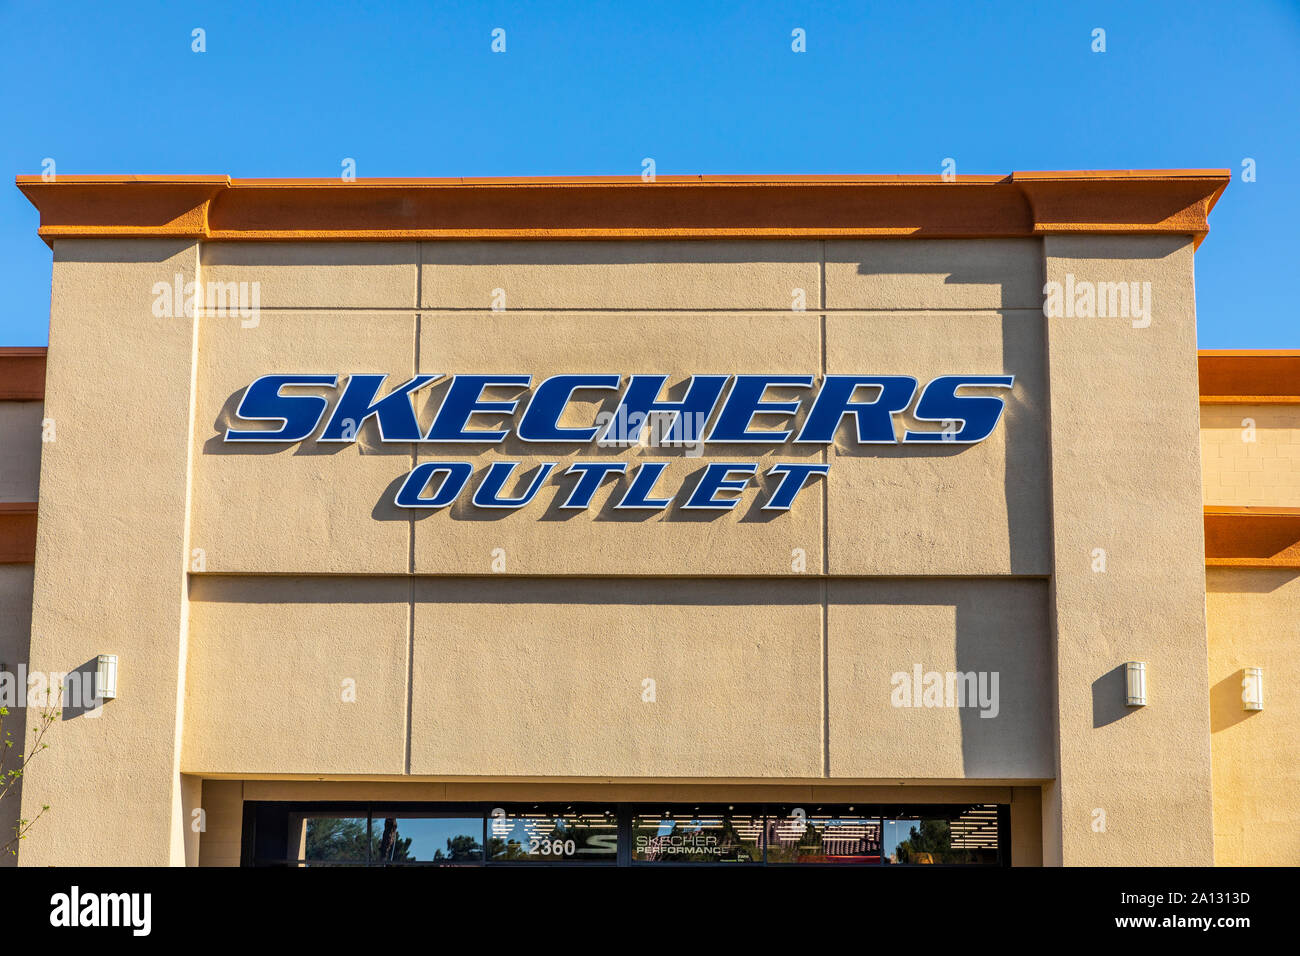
[215, 208]
[17, 532]
[1252, 537]
[1249, 376]
[22, 374]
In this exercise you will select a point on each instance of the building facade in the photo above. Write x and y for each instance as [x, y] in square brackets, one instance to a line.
[740, 519]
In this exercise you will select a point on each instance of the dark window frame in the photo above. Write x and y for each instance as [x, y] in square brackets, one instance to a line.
[259, 815]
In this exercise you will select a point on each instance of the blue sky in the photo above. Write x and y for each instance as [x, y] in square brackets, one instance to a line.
[413, 89]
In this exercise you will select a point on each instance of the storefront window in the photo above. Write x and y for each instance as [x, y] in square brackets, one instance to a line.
[817, 835]
[959, 835]
[327, 838]
[700, 835]
[552, 835]
[475, 834]
[399, 836]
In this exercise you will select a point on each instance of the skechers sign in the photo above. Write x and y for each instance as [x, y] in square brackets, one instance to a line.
[871, 401]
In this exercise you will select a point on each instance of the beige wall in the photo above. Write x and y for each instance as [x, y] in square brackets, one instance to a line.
[223, 807]
[293, 675]
[1251, 454]
[287, 619]
[1254, 621]
[1125, 477]
[111, 552]
[533, 678]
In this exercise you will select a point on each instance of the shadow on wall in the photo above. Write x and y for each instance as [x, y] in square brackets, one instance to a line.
[999, 627]
[1226, 705]
[125, 251]
[1001, 635]
[1013, 272]
[996, 265]
[1248, 580]
[78, 690]
[1109, 692]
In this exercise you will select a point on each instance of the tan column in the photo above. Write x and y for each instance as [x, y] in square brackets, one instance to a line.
[223, 805]
[1133, 784]
[111, 552]
[1026, 826]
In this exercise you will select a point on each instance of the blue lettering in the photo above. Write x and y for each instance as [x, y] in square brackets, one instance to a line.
[647, 474]
[978, 414]
[875, 420]
[746, 400]
[715, 479]
[298, 415]
[464, 399]
[793, 478]
[488, 494]
[593, 473]
[642, 398]
[541, 421]
[393, 412]
[455, 474]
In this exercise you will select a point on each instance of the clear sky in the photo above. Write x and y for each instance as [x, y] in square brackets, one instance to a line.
[410, 89]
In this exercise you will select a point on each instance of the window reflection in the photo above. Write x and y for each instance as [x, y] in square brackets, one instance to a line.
[944, 836]
[473, 834]
[822, 835]
[399, 836]
[553, 835]
[703, 835]
[325, 838]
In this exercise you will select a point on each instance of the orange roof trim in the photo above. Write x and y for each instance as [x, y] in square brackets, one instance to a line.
[1252, 537]
[22, 374]
[215, 208]
[1249, 376]
[17, 532]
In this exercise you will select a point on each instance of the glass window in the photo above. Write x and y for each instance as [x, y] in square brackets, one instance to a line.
[473, 834]
[403, 836]
[822, 835]
[944, 835]
[699, 835]
[324, 838]
[552, 835]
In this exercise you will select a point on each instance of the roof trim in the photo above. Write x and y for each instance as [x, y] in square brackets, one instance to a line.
[1252, 537]
[1249, 376]
[22, 374]
[216, 208]
[17, 532]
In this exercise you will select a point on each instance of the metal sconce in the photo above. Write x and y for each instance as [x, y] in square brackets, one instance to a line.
[106, 677]
[1135, 682]
[1252, 689]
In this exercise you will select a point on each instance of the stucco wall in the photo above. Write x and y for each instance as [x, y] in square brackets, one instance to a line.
[1251, 454]
[111, 552]
[1254, 621]
[1129, 564]
[243, 588]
